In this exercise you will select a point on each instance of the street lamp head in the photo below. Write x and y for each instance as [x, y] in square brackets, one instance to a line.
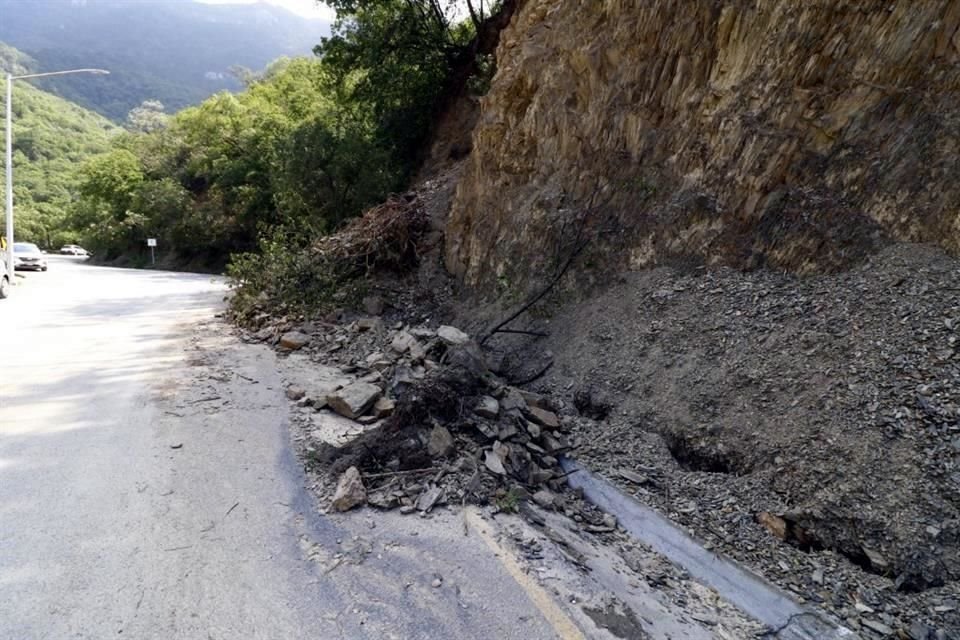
[99, 72]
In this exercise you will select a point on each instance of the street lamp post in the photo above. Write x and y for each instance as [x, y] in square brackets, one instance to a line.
[9, 136]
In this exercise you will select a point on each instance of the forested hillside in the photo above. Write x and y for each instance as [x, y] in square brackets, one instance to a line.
[52, 137]
[176, 52]
[308, 144]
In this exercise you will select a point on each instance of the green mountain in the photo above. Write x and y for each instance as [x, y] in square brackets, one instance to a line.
[52, 138]
[175, 51]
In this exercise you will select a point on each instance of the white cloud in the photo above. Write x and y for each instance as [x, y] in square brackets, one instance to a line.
[305, 8]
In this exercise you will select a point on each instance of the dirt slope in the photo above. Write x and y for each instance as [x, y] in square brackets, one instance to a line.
[827, 408]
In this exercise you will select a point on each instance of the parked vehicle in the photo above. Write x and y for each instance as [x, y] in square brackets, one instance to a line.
[73, 250]
[27, 255]
[4, 279]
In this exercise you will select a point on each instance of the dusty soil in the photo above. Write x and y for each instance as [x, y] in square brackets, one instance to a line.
[809, 427]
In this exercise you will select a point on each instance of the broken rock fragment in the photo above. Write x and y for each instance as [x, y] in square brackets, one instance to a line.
[775, 524]
[350, 491]
[383, 407]
[512, 401]
[294, 340]
[493, 462]
[402, 342]
[354, 400]
[440, 443]
[487, 407]
[543, 417]
[452, 335]
[295, 393]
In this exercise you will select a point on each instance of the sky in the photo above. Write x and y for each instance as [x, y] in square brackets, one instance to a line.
[306, 8]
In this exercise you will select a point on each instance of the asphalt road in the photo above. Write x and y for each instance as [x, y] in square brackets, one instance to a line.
[147, 489]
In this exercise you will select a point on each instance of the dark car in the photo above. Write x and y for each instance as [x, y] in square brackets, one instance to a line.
[28, 256]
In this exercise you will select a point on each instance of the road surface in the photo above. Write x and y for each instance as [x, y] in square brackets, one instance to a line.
[107, 530]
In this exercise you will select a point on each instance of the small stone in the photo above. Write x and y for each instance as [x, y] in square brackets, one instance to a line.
[294, 340]
[437, 583]
[507, 431]
[176, 445]
[423, 333]
[533, 429]
[429, 498]
[440, 443]
[487, 429]
[598, 528]
[544, 498]
[350, 491]
[452, 335]
[817, 576]
[543, 417]
[512, 401]
[369, 324]
[493, 462]
[373, 305]
[383, 407]
[295, 393]
[407, 509]
[402, 341]
[775, 524]
[417, 352]
[609, 520]
[382, 500]
[879, 627]
[354, 400]
[534, 399]
[487, 407]
[632, 476]
[876, 559]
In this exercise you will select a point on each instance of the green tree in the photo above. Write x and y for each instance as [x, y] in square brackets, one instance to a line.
[148, 117]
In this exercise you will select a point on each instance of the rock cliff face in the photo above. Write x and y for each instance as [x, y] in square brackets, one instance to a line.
[798, 135]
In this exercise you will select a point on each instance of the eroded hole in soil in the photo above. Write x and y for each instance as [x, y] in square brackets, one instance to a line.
[694, 454]
[914, 576]
[592, 404]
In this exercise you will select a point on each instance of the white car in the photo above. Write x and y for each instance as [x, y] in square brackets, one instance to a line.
[73, 250]
[27, 255]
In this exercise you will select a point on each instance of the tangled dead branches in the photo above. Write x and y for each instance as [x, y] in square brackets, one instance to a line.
[385, 237]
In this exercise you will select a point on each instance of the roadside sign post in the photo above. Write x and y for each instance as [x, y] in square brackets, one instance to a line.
[152, 243]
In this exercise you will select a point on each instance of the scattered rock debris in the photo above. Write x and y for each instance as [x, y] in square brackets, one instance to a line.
[428, 423]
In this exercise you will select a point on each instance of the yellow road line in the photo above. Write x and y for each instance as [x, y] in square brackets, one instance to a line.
[565, 627]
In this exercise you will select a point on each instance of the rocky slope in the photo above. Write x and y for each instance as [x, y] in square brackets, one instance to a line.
[797, 135]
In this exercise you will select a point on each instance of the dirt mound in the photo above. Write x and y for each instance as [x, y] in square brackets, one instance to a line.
[831, 404]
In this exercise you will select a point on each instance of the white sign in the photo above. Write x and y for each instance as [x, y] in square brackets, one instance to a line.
[151, 242]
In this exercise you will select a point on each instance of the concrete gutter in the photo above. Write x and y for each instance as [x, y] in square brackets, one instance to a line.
[785, 617]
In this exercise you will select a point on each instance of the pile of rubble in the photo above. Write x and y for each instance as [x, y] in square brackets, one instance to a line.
[410, 417]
